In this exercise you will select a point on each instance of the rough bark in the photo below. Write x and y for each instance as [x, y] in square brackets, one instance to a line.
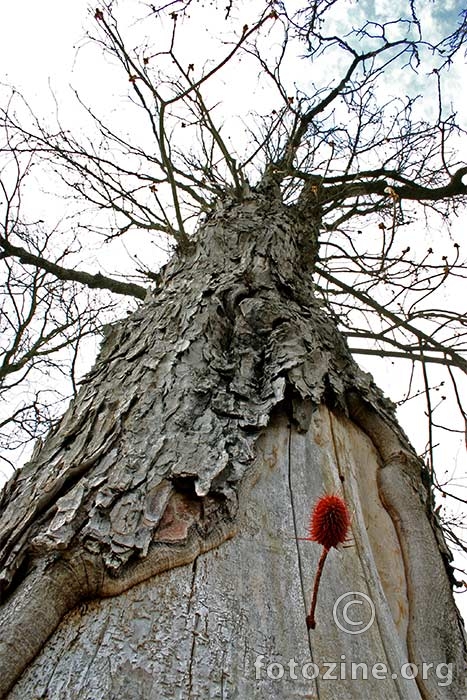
[151, 466]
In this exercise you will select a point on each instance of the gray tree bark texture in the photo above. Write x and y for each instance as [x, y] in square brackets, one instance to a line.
[149, 549]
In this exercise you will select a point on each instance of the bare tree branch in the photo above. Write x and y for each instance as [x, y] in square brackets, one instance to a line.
[97, 281]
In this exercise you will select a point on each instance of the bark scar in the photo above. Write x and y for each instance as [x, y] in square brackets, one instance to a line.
[435, 632]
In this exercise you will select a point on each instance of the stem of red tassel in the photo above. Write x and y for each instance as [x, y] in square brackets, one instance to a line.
[310, 620]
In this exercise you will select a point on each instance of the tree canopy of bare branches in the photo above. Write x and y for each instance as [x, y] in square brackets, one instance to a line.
[358, 146]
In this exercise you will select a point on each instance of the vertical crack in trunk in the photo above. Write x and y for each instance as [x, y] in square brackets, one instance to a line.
[193, 631]
[301, 574]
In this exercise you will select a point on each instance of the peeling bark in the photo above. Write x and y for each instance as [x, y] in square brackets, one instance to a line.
[149, 466]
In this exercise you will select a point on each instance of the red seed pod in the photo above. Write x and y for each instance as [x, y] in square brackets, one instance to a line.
[330, 521]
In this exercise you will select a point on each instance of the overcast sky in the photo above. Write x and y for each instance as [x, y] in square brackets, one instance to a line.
[37, 41]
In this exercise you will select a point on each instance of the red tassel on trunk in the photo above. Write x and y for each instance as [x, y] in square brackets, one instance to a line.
[329, 526]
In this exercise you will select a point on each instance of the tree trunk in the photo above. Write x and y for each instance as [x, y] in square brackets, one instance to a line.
[149, 549]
